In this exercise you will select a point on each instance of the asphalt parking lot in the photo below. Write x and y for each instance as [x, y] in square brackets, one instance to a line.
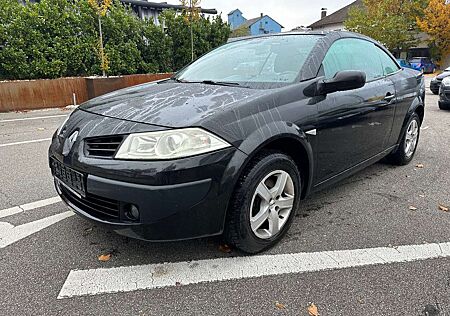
[49, 259]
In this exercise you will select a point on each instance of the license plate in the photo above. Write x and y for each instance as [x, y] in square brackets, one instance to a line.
[72, 179]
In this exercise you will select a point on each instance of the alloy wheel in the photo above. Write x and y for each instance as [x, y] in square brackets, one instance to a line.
[272, 203]
[412, 135]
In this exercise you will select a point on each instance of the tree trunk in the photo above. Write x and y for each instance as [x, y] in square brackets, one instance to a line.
[192, 33]
[102, 52]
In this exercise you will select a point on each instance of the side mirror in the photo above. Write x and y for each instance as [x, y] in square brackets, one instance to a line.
[342, 81]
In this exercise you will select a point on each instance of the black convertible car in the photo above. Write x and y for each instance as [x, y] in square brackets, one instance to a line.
[232, 143]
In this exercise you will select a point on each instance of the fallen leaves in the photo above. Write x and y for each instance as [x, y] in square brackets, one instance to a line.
[104, 257]
[107, 254]
[444, 208]
[279, 305]
[412, 208]
[419, 166]
[225, 248]
[41, 129]
[313, 310]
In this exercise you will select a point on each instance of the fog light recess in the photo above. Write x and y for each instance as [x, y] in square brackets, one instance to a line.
[132, 212]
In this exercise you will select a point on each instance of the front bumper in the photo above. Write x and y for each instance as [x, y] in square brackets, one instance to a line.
[177, 199]
[444, 95]
[167, 212]
[434, 86]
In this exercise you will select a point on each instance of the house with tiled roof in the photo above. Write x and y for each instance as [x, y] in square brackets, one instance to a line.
[263, 24]
[334, 21]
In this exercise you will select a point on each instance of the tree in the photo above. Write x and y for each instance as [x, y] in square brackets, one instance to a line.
[391, 22]
[49, 39]
[436, 23]
[101, 7]
[58, 38]
[240, 32]
[208, 34]
[191, 14]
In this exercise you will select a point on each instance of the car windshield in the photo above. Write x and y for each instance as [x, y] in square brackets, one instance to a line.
[415, 60]
[274, 59]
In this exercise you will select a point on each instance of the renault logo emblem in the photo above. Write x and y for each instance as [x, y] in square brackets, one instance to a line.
[68, 144]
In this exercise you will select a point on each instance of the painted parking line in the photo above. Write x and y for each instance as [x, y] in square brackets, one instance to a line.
[26, 142]
[152, 276]
[29, 206]
[32, 118]
[10, 234]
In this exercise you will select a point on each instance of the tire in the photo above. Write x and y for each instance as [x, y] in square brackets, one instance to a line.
[442, 106]
[404, 154]
[269, 168]
[435, 92]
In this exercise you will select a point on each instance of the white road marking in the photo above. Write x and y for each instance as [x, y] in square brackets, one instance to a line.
[152, 276]
[10, 234]
[29, 206]
[26, 142]
[32, 118]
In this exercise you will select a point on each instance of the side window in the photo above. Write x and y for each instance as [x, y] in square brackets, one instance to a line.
[353, 54]
[389, 66]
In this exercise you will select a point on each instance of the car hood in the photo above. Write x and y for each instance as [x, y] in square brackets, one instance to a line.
[443, 75]
[169, 104]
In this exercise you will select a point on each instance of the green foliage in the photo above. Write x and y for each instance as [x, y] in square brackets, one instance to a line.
[391, 22]
[44, 41]
[208, 34]
[59, 38]
[240, 32]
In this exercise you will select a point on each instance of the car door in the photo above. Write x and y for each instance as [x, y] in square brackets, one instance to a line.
[354, 125]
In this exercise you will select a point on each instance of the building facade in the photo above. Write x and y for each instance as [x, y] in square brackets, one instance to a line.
[151, 10]
[264, 24]
[148, 10]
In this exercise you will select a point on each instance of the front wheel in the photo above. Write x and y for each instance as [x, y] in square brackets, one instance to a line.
[442, 106]
[408, 145]
[263, 203]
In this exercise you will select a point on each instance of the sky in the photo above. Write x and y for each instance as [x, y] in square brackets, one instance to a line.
[289, 13]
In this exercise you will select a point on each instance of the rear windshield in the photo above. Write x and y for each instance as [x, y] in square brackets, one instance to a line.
[274, 59]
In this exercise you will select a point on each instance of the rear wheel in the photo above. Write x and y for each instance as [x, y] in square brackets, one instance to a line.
[263, 203]
[408, 145]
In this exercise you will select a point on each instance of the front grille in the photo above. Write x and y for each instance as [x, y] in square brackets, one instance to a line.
[99, 207]
[104, 147]
[447, 95]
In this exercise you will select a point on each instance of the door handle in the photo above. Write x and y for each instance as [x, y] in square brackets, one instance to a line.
[389, 97]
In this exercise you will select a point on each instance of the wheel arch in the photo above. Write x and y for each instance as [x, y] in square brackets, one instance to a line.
[416, 107]
[290, 140]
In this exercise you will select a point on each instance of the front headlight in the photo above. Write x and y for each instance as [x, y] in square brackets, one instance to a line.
[171, 144]
[446, 81]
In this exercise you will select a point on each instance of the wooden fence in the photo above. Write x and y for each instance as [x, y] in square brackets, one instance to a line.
[39, 94]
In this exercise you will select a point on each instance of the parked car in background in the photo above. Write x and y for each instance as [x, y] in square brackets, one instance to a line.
[436, 81]
[223, 148]
[444, 94]
[423, 63]
[406, 64]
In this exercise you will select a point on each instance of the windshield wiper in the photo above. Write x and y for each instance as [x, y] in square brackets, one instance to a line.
[212, 82]
[221, 83]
